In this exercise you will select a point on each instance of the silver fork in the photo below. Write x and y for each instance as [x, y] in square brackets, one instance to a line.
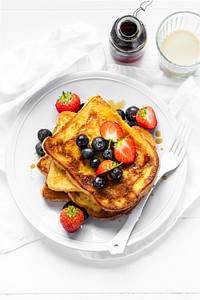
[171, 160]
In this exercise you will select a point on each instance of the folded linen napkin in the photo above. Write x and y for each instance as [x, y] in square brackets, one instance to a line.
[24, 70]
[183, 100]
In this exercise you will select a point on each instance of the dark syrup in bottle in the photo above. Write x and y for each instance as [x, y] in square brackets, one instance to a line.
[127, 39]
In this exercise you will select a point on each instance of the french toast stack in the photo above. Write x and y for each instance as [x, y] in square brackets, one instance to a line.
[70, 177]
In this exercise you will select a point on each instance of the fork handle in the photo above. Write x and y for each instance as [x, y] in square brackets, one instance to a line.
[118, 243]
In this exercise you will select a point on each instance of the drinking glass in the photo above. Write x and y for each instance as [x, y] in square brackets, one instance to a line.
[186, 22]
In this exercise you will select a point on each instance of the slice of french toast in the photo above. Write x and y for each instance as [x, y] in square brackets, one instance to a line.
[57, 181]
[51, 195]
[138, 177]
[44, 163]
[93, 208]
[55, 177]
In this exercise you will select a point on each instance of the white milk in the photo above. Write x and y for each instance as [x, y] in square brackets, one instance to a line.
[181, 47]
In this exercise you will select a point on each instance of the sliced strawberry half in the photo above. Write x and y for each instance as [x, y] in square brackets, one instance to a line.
[105, 166]
[125, 150]
[111, 130]
[146, 117]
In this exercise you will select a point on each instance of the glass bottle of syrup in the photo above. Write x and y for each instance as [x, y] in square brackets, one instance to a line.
[128, 37]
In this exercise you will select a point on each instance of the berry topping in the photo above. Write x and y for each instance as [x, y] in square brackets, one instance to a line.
[116, 174]
[125, 150]
[43, 133]
[76, 205]
[68, 102]
[108, 154]
[98, 144]
[82, 104]
[146, 117]
[39, 149]
[121, 113]
[111, 130]
[131, 123]
[105, 166]
[87, 153]
[99, 182]
[131, 113]
[71, 218]
[82, 140]
[95, 162]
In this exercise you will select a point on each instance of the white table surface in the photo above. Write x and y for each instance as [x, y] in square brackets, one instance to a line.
[170, 269]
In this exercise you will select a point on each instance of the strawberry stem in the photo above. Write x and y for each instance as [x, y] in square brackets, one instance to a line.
[143, 112]
[109, 143]
[72, 211]
[65, 97]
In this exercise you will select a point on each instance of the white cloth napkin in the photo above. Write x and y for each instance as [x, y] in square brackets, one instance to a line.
[24, 70]
[183, 100]
[27, 68]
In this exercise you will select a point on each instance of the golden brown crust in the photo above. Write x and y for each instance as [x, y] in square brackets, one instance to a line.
[44, 164]
[50, 195]
[93, 208]
[137, 177]
[58, 180]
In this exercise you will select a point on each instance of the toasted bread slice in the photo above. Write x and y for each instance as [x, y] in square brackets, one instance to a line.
[138, 177]
[63, 118]
[58, 180]
[54, 196]
[93, 208]
[47, 167]
[44, 164]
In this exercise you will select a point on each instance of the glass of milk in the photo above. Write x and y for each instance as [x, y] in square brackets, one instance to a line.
[178, 43]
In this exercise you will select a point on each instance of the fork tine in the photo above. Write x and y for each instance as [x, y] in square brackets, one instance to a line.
[181, 139]
[176, 139]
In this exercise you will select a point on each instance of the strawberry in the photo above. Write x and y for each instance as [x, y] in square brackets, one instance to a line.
[125, 150]
[71, 218]
[111, 130]
[146, 117]
[68, 101]
[105, 166]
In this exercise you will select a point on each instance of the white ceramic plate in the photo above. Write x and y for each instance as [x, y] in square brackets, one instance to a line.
[25, 183]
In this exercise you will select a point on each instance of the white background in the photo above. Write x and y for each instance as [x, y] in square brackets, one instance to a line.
[44, 270]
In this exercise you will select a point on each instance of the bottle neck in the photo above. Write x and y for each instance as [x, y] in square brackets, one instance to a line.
[128, 28]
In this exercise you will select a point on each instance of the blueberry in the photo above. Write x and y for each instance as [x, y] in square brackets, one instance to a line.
[43, 133]
[116, 174]
[108, 154]
[94, 162]
[131, 113]
[82, 104]
[99, 182]
[131, 123]
[98, 144]
[86, 215]
[87, 153]
[121, 113]
[68, 203]
[76, 205]
[39, 149]
[82, 140]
